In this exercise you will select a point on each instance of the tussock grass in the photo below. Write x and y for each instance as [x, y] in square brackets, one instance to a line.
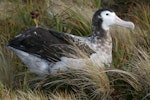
[63, 96]
[128, 77]
[141, 66]
[6, 72]
[21, 95]
[82, 85]
[35, 95]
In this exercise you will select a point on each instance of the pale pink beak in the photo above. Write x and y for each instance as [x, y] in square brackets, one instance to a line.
[121, 22]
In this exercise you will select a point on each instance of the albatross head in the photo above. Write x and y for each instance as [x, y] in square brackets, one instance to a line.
[105, 18]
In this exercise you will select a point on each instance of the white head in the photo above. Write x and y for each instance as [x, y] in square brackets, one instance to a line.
[109, 18]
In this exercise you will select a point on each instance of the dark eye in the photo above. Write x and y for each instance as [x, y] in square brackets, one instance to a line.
[107, 14]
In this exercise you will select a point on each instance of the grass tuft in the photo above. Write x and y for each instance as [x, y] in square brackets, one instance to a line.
[128, 77]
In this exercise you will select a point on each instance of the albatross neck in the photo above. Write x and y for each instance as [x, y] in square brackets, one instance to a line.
[99, 34]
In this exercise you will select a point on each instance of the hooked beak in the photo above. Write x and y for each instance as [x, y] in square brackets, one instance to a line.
[121, 22]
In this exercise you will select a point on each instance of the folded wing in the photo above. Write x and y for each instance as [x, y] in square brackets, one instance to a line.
[50, 45]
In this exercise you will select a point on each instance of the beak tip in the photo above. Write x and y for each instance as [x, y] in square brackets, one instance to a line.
[132, 26]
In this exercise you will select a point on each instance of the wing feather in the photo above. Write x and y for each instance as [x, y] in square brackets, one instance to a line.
[49, 44]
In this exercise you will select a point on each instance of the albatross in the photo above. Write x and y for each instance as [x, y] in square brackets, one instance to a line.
[48, 51]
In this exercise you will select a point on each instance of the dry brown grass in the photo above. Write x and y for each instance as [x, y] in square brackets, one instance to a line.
[127, 78]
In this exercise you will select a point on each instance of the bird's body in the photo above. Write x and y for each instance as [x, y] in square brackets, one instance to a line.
[45, 51]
